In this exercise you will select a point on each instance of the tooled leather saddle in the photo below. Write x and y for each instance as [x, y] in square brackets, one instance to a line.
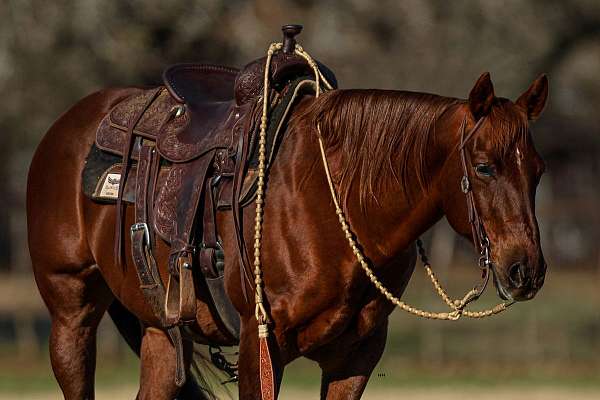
[185, 150]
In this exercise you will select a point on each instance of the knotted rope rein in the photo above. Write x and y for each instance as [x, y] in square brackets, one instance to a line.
[457, 306]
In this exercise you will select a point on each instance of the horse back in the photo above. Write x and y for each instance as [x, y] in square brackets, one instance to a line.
[65, 228]
[54, 179]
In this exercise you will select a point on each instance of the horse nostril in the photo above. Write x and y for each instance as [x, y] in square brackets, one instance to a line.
[539, 281]
[517, 275]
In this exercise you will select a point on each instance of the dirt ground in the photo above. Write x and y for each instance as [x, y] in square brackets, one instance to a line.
[128, 392]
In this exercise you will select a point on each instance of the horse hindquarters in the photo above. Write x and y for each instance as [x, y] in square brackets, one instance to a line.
[69, 282]
[71, 285]
[69, 236]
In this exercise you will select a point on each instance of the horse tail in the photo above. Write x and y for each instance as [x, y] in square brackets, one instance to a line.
[197, 386]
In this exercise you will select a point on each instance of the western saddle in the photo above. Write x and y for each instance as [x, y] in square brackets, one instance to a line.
[186, 150]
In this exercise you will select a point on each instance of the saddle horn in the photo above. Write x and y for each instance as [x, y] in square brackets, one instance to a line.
[289, 34]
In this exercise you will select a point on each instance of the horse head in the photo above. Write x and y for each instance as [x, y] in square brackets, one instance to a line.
[502, 170]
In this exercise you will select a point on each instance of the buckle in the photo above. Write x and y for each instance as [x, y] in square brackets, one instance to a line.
[177, 110]
[141, 226]
[485, 260]
[218, 247]
[465, 185]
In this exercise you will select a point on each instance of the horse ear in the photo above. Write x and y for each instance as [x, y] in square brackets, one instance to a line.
[482, 96]
[534, 98]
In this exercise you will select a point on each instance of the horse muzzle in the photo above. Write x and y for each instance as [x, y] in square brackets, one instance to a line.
[519, 282]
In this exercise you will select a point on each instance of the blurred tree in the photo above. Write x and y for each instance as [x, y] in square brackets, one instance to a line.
[53, 53]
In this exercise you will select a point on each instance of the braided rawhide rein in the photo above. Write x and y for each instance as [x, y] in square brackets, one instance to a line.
[457, 306]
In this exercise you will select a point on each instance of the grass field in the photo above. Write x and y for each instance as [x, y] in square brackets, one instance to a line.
[128, 392]
[545, 349]
[117, 381]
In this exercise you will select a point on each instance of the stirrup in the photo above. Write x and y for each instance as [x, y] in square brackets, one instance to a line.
[180, 301]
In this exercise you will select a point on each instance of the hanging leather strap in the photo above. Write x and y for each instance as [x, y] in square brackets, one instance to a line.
[151, 191]
[210, 242]
[266, 375]
[125, 165]
[154, 292]
[174, 333]
[238, 180]
[147, 157]
[147, 271]
[180, 303]
[143, 259]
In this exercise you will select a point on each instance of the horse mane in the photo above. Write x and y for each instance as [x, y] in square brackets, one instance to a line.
[384, 135]
[373, 129]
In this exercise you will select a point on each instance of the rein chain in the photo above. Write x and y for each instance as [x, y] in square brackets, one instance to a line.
[457, 306]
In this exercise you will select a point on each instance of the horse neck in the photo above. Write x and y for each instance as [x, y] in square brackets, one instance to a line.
[389, 225]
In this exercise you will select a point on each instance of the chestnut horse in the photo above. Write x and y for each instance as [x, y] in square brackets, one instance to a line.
[394, 160]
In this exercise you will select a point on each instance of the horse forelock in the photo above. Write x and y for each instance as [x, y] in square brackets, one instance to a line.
[509, 127]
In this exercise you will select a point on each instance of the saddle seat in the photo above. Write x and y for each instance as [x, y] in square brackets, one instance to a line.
[184, 123]
[198, 84]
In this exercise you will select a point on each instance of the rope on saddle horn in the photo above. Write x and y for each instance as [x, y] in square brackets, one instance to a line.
[266, 376]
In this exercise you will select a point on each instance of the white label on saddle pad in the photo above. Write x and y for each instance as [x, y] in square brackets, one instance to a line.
[110, 188]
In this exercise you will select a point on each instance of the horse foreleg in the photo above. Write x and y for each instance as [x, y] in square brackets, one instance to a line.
[158, 362]
[77, 299]
[345, 377]
[248, 362]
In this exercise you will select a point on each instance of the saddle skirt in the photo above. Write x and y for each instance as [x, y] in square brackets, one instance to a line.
[179, 138]
[112, 136]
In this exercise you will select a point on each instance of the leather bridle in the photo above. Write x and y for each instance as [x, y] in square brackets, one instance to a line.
[480, 238]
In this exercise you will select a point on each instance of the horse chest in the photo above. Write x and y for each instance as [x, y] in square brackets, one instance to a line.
[344, 324]
[353, 311]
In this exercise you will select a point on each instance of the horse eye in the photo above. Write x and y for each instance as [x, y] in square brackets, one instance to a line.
[484, 169]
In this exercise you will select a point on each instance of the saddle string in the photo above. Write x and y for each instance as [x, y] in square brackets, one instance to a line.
[125, 166]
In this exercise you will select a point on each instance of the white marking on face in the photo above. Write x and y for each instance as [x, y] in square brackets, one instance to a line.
[519, 157]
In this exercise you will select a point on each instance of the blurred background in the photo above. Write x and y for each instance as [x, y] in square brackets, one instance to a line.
[54, 53]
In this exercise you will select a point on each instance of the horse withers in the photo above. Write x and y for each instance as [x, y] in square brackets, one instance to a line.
[396, 165]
